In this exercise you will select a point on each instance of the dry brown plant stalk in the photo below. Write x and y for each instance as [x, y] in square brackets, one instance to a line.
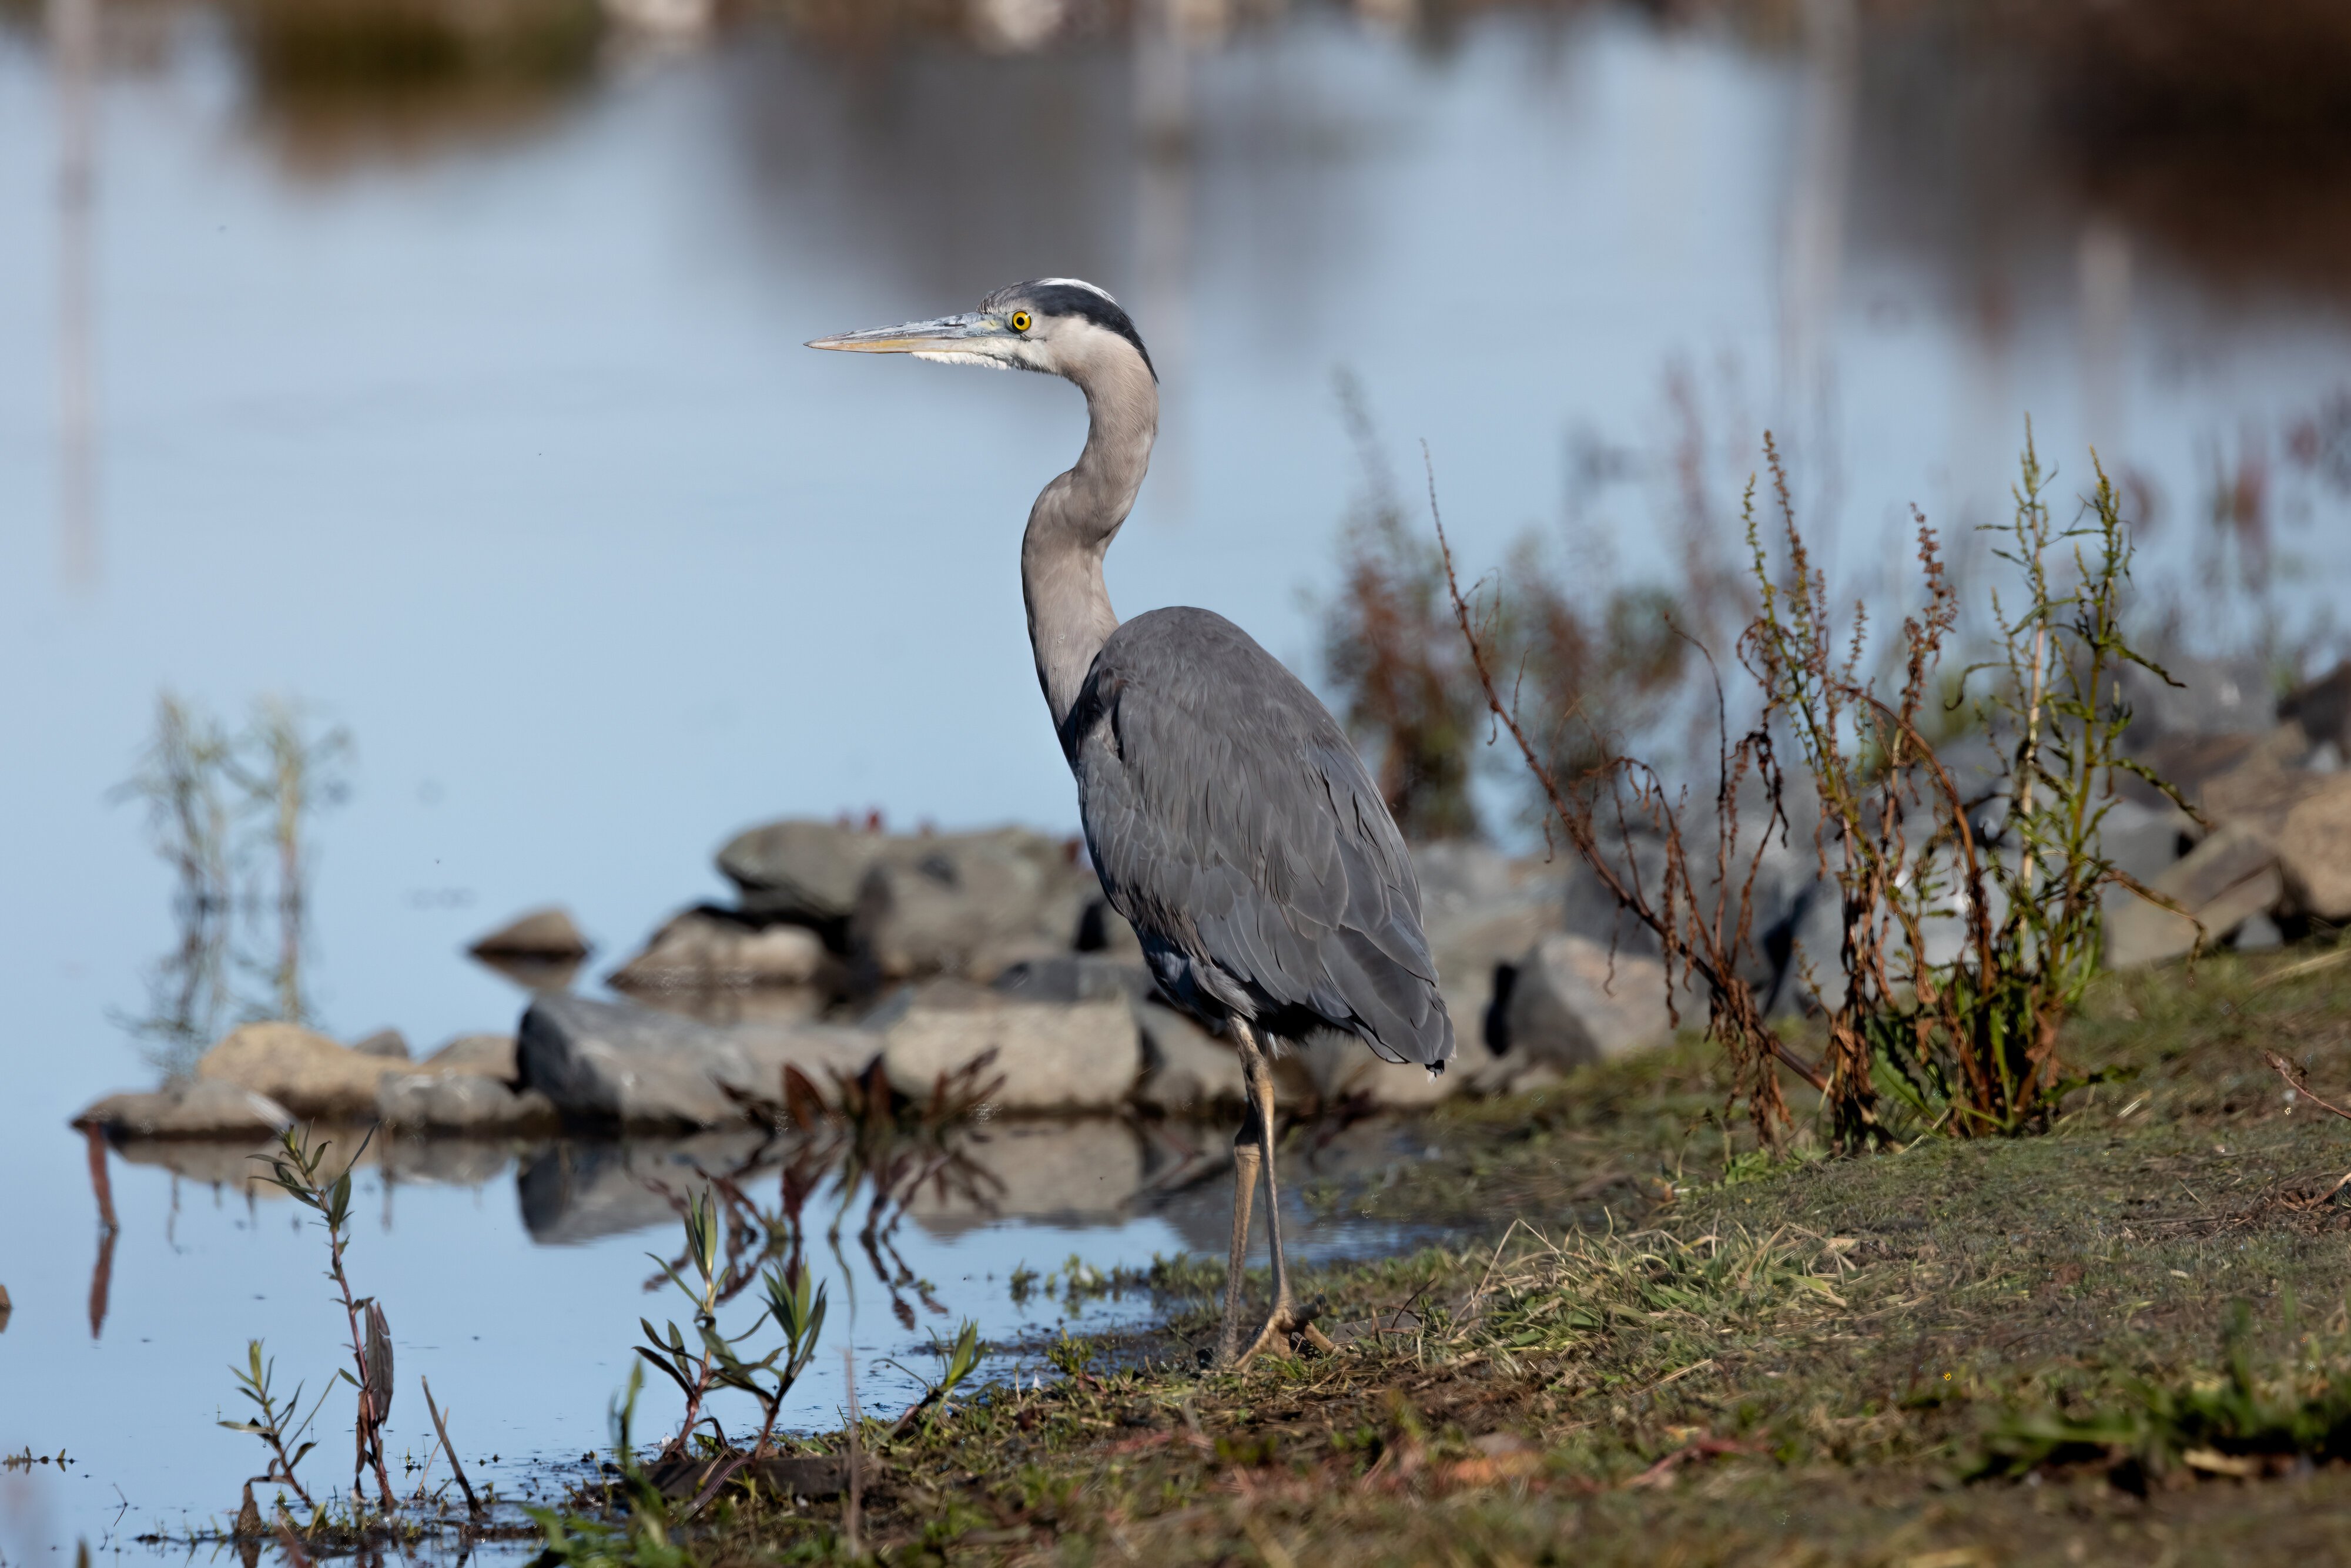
[1700, 934]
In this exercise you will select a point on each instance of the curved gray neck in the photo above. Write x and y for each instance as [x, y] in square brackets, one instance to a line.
[1077, 515]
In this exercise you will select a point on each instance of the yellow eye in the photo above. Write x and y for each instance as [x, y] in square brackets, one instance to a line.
[1021, 320]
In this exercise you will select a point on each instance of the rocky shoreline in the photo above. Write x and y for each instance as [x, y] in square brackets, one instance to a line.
[987, 965]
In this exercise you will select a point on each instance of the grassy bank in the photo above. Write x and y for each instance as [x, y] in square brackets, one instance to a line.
[1988, 1353]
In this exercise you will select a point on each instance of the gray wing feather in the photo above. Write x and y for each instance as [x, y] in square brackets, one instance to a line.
[1234, 827]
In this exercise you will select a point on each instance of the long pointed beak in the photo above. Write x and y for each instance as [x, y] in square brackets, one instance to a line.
[945, 334]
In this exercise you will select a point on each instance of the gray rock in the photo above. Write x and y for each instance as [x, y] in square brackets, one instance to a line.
[1187, 1071]
[1050, 1056]
[2314, 846]
[617, 1062]
[801, 869]
[2225, 881]
[2323, 708]
[1571, 1004]
[709, 949]
[547, 933]
[481, 1055]
[968, 904]
[1075, 977]
[1480, 910]
[460, 1102]
[197, 1108]
[389, 1043]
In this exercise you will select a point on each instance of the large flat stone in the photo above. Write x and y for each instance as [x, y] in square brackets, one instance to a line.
[2314, 851]
[195, 1109]
[303, 1071]
[1052, 1056]
[614, 1063]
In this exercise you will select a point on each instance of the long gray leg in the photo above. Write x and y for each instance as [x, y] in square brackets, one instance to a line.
[1248, 1154]
[1261, 1106]
[1282, 1321]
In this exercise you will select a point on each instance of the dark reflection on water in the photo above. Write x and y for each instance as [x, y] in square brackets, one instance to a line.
[522, 1327]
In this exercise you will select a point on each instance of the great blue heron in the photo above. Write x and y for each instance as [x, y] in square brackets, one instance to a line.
[1230, 820]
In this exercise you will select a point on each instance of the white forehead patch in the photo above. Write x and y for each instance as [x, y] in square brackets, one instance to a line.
[1080, 282]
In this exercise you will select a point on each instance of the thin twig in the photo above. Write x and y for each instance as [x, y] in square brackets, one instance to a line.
[2295, 1081]
[849, 1510]
[472, 1503]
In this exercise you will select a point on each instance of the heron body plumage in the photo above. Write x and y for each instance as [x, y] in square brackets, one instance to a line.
[1230, 817]
[1234, 827]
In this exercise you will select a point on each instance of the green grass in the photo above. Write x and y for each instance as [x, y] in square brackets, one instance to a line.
[2073, 1348]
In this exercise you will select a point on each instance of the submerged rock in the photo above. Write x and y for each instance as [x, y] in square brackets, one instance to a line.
[1050, 1056]
[714, 950]
[1080, 1171]
[547, 933]
[577, 1191]
[197, 1108]
[618, 1062]
[300, 1069]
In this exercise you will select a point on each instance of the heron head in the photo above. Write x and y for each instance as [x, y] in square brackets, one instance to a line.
[1056, 324]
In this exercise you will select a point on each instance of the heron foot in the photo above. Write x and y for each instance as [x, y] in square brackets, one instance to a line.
[1287, 1328]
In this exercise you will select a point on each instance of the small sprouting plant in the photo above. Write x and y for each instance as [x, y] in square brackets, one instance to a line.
[297, 1166]
[957, 1361]
[800, 1319]
[711, 1360]
[286, 1448]
[672, 1354]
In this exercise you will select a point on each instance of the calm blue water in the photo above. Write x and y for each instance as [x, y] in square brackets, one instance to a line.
[496, 445]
